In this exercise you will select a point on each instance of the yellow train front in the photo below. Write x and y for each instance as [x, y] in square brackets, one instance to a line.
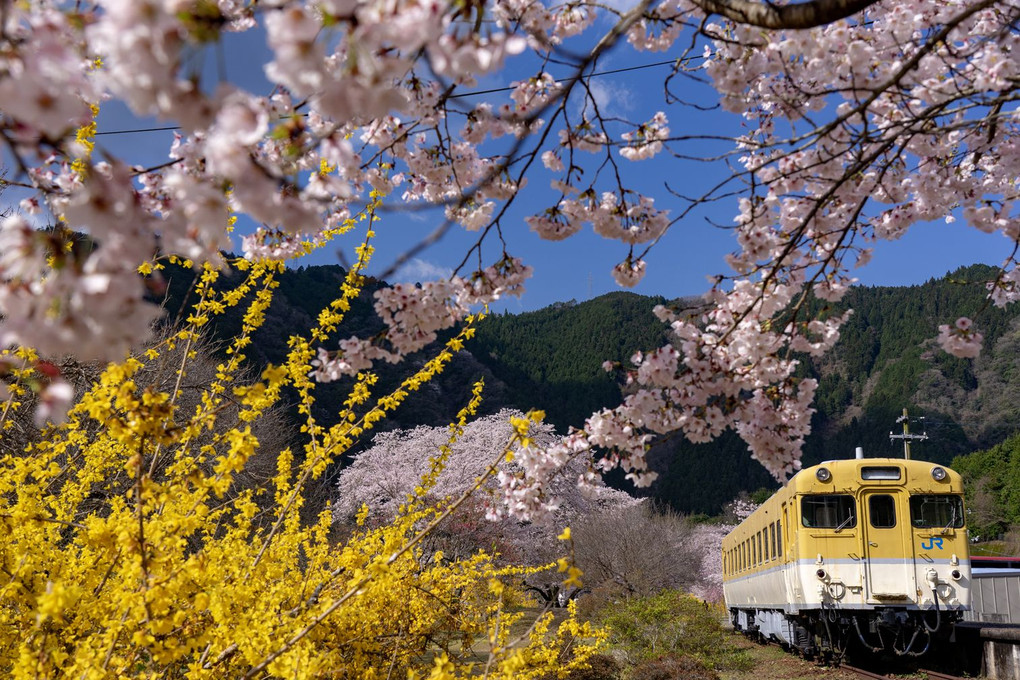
[870, 552]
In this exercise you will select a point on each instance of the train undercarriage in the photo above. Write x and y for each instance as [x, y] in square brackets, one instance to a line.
[828, 634]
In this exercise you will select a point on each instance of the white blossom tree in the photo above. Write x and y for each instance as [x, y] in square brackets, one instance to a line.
[383, 477]
[863, 118]
[707, 542]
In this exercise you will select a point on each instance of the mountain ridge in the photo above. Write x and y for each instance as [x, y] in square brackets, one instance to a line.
[886, 360]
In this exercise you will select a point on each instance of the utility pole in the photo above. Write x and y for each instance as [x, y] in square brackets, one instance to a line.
[906, 436]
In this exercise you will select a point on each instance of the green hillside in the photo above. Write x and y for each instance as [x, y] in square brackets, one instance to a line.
[553, 357]
[886, 360]
[992, 481]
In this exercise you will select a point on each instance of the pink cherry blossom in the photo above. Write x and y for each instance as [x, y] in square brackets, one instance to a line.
[961, 339]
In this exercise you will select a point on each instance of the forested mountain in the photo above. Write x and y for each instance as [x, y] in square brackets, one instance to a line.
[886, 360]
[553, 357]
[297, 301]
[992, 480]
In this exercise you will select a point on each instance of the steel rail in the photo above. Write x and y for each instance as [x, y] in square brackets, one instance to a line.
[935, 675]
[932, 675]
[864, 674]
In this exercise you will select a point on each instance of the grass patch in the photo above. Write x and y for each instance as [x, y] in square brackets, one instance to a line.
[988, 549]
[671, 625]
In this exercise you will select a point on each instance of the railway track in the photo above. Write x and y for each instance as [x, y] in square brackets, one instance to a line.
[935, 675]
[932, 675]
[863, 673]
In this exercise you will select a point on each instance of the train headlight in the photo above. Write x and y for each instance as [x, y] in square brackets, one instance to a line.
[823, 475]
[938, 473]
[956, 574]
[820, 574]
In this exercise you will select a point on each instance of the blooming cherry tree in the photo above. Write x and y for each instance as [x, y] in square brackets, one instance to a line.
[864, 118]
[383, 477]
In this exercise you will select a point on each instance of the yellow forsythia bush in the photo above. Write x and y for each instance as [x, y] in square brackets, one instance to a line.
[128, 550]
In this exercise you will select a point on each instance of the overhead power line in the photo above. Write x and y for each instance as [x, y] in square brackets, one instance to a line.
[170, 128]
[133, 130]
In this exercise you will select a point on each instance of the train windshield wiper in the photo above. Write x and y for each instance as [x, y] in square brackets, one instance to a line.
[844, 523]
[952, 521]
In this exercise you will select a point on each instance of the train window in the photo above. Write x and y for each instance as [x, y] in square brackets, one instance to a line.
[828, 511]
[779, 537]
[772, 536]
[882, 511]
[941, 511]
[880, 472]
[763, 554]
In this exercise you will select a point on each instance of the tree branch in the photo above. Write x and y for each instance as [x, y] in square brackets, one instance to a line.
[798, 16]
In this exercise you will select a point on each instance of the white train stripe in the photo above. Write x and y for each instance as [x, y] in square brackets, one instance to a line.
[963, 566]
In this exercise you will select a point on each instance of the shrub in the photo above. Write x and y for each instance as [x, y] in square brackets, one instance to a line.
[672, 667]
[637, 548]
[598, 667]
[670, 623]
[158, 531]
[591, 603]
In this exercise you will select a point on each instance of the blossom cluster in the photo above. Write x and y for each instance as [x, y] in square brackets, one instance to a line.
[385, 476]
[901, 139]
[415, 314]
[960, 339]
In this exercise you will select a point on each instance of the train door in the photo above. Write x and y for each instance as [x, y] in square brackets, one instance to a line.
[888, 550]
[786, 537]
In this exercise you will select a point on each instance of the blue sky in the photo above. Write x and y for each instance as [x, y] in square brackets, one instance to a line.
[579, 267]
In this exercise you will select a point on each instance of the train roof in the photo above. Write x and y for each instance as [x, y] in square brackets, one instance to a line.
[848, 474]
[877, 471]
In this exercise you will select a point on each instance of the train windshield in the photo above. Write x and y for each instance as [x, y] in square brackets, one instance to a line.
[828, 511]
[930, 511]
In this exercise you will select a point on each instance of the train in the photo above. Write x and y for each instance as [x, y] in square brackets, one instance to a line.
[868, 552]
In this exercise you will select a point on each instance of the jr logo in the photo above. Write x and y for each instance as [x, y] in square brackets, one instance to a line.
[932, 542]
